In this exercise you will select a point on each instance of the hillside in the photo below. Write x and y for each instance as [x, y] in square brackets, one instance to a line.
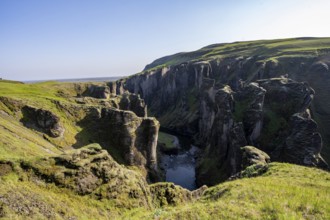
[265, 49]
[174, 82]
[284, 192]
[257, 112]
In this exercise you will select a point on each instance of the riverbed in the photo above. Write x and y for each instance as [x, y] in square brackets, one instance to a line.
[180, 168]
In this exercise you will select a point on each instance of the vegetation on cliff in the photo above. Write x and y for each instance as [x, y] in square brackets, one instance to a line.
[173, 86]
[89, 151]
[285, 191]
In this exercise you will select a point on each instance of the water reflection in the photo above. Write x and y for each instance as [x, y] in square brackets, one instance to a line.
[180, 168]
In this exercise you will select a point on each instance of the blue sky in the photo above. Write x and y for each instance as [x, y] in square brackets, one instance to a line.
[56, 39]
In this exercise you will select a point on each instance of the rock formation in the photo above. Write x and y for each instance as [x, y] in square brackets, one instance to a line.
[86, 114]
[43, 120]
[134, 103]
[192, 98]
[91, 170]
[95, 91]
[137, 137]
[254, 162]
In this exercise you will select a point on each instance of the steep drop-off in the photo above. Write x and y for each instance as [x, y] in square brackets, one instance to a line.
[228, 95]
[63, 116]
[50, 170]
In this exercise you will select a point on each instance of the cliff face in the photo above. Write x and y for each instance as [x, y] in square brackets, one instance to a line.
[136, 137]
[75, 115]
[244, 97]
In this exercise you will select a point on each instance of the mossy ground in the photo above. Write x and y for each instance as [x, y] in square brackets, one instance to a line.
[167, 140]
[269, 49]
[285, 191]
[20, 142]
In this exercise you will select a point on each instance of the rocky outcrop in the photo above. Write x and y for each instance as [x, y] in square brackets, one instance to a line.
[137, 137]
[42, 120]
[222, 136]
[77, 121]
[275, 118]
[191, 99]
[116, 87]
[249, 104]
[254, 163]
[92, 171]
[131, 140]
[170, 95]
[134, 103]
[304, 143]
[252, 155]
[164, 194]
[99, 92]
[173, 93]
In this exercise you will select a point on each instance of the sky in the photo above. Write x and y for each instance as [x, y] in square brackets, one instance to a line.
[59, 39]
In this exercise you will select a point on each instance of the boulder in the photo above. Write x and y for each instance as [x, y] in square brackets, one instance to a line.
[252, 155]
[164, 194]
[254, 163]
[42, 120]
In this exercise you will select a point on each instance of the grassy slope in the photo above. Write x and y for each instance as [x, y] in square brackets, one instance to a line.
[16, 141]
[268, 49]
[40, 201]
[285, 192]
[20, 142]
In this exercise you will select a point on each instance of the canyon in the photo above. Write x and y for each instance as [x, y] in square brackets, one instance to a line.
[252, 112]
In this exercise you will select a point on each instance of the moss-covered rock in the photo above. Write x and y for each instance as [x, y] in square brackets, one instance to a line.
[43, 120]
[91, 170]
[254, 162]
[165, 194]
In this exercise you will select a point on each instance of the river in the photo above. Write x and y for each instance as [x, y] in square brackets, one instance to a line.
[180, 168]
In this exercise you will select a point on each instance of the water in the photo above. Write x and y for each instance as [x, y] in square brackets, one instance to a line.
[180, 168]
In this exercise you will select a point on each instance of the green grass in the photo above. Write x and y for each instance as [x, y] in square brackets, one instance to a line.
[167, 140]
[268, 49]
[40, 201]
[20, 142]
[284, 192]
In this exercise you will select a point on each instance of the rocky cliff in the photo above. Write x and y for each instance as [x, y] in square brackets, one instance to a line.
[229, 95]
[74, 115]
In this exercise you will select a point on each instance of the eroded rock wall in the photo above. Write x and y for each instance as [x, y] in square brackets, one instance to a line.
[225, 104]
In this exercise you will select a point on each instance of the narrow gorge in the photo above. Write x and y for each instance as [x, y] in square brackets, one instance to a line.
[180, 140]
[225, 102]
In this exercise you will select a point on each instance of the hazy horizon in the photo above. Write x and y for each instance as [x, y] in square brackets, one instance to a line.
[84, 39]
